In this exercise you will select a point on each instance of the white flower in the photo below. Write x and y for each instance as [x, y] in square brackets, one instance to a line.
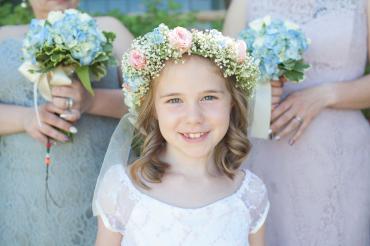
[55, 16]
[258, 24]
[85, 17]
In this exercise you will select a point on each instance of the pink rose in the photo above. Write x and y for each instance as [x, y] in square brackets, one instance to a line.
[241, 51]
[180, 39]
[137, 59]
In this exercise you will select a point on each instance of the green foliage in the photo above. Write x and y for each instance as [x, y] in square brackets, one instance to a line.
[294, 70]
[141, 24]
[14, 15]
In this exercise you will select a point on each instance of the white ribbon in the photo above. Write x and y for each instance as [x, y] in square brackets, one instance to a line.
[261, 110]
[43, 82]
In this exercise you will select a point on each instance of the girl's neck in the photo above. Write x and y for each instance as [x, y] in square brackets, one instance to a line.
[189, 166]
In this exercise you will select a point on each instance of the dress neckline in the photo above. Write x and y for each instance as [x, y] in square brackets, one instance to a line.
[138, 194]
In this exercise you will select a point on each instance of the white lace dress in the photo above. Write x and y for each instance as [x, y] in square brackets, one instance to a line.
[143, 220]
[319, 188]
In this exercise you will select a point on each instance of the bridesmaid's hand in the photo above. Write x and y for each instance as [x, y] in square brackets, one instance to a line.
[277, 91]
[49, 122]
[80, 98]
[297, 111]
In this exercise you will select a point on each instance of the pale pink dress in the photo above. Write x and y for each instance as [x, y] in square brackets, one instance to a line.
[319, 188]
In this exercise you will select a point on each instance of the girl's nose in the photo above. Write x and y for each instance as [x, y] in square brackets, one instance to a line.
[194, 113]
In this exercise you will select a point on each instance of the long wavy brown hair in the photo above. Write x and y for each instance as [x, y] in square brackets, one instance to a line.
[229, 153]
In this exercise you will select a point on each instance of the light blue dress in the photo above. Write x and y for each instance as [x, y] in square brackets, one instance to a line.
[24, 219]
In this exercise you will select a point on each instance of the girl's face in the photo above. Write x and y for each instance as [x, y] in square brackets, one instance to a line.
[42, 7]
[192, 106]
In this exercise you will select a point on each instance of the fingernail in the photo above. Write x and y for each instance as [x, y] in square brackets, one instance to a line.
[73, 130]
[291, 141]
[270, 131]
[64, 116]
[277, 138]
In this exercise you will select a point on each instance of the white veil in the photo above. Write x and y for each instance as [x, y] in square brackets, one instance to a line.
[118, 152]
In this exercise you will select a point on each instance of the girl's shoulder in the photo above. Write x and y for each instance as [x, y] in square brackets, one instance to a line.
[253, 191]
[252, 182]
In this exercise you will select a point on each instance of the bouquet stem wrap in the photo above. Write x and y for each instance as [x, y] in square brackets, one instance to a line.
[261, 110]
[43, 82]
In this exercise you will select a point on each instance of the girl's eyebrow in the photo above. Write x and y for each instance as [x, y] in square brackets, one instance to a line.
[203, 92]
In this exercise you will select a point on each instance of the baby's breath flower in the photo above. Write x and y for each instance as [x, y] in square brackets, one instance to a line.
[162, 44]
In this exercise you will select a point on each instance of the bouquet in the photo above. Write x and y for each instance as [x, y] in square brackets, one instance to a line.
[66, 44]
[277, 47]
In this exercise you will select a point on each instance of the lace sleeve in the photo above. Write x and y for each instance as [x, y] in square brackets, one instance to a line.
[256, 200]
[114, 203]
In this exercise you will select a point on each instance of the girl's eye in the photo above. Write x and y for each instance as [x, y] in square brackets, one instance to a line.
[209, 98]
[174, 100]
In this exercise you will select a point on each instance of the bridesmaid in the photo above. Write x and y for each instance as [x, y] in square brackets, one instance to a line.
[317, 170]
[24, 219]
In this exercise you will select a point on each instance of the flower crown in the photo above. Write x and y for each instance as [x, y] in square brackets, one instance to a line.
[148, 54]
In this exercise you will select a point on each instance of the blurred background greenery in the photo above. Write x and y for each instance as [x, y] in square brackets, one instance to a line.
[146, 14]
[140, 16]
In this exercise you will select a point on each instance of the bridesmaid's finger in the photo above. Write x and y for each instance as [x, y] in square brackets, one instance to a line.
[276, 83]
[299, 132]
[275, 101]
[282, 121]
[53, 109]
[71, 115]
[63, 91]
[280, 109]
[291, 127]
[277, 91]
[55, 121]
[60, 102]
[53, 133]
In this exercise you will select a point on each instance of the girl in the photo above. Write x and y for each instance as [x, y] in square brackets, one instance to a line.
[187, 187]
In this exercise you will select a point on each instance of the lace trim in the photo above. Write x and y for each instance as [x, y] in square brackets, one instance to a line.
[138, 195]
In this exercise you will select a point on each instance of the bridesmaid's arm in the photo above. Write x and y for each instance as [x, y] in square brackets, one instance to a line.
[356, 94]
[106, 237]
[12, 119]
[15, 119]
[109, 103]
[258, 238]
[236, 18]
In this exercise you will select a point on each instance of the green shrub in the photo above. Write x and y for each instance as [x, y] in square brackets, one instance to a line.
[141, 24]
[14, 15]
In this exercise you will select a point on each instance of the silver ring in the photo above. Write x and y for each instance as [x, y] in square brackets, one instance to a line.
[299, 119]
[69, 103]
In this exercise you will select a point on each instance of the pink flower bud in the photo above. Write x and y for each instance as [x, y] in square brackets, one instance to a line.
[180, 39]
[137, 59]
[241, 51]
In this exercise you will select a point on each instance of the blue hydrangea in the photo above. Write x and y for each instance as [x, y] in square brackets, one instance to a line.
[70, 30]
[273, 42]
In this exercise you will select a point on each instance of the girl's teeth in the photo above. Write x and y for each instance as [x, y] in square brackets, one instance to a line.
[194, 135]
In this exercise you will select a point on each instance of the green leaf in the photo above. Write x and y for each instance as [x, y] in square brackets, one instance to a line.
[294, 76]
[83, 74]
